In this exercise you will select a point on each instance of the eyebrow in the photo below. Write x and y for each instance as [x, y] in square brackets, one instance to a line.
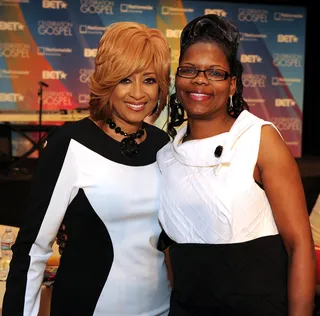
[149, 73]
[193, 65]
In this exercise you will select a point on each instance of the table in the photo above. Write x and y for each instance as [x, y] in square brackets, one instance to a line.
[45, 291]
[44, 309]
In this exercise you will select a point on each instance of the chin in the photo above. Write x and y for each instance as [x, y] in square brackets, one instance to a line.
[197, 113]
[136, 118]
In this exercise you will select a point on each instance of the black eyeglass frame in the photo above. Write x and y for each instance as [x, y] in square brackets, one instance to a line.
[226, 74]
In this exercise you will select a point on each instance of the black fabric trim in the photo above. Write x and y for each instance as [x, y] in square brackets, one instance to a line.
[71, 295]
[245, 279]
[164, 241]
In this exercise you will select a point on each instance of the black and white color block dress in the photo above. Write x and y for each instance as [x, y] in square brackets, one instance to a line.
[227, 255]
[109, 203]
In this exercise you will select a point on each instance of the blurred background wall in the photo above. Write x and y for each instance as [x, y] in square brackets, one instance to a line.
[54, 42]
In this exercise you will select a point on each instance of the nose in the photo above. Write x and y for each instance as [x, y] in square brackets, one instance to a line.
[137, 91]
[200, 78]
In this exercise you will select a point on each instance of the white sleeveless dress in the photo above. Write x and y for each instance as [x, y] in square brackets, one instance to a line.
[225, 237]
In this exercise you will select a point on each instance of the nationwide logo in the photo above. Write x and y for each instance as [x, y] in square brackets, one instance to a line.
[170, 33]
[85, 74]
[90, 52]
[14, 50]
[166, 10]
[250, 59]
[252, 15]
[55, 28]
[284, 123]
[251, 36]
[96, 6]
[134, 8]
[54, 4]
[13, 74]
[219, 12]
[52, 51]
[287, 60]
[83, 98]
[12, 2]
[254, 81]
[11, 97]
[279, 81]
[91, 29]
[53, 75]
[282, 16]
[55, 99]
[284, 102]
[287, 38]
[254, 102]
[11, 26]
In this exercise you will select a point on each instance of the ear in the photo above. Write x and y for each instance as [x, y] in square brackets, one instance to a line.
[233, 85]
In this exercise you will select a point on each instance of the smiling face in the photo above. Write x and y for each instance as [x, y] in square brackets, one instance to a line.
[134, 97]
[200, 97]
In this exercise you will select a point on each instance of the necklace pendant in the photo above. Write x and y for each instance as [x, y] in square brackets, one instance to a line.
[129, 147]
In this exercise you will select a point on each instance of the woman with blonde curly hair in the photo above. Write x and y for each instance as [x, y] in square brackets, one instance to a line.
[100, 177]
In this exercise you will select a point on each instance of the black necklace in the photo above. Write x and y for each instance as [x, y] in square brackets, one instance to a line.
[128, 146]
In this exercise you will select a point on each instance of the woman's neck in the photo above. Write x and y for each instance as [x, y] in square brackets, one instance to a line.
[125, 127]
[199, 129]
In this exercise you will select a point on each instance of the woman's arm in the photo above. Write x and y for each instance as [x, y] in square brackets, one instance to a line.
[282, 183]
[168, 264]
[164, 243]
[315, 222]
[46, 206]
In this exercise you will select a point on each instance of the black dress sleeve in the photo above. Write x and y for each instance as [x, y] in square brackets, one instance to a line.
[53, 185]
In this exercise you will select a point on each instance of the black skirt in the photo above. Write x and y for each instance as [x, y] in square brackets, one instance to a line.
[241, 279]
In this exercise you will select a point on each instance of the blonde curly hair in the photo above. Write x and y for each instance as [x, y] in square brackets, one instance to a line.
[124, 49]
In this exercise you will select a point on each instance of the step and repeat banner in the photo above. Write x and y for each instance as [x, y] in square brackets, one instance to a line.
[56, 41]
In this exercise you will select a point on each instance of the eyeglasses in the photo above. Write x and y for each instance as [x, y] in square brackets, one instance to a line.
[212, 74]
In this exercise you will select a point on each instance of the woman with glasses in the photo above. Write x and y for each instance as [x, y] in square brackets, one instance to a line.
[232, 207]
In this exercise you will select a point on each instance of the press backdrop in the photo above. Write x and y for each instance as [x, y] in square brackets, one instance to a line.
[56, 42]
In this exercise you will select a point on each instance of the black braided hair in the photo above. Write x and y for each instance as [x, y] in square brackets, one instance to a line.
[176, 115]
[211, 28]
[208, 28]
[239, 104]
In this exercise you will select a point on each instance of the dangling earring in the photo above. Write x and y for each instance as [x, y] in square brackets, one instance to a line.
[167, 99]
[155, 109]
[230, 108]
[175, 106]
[230, 102]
